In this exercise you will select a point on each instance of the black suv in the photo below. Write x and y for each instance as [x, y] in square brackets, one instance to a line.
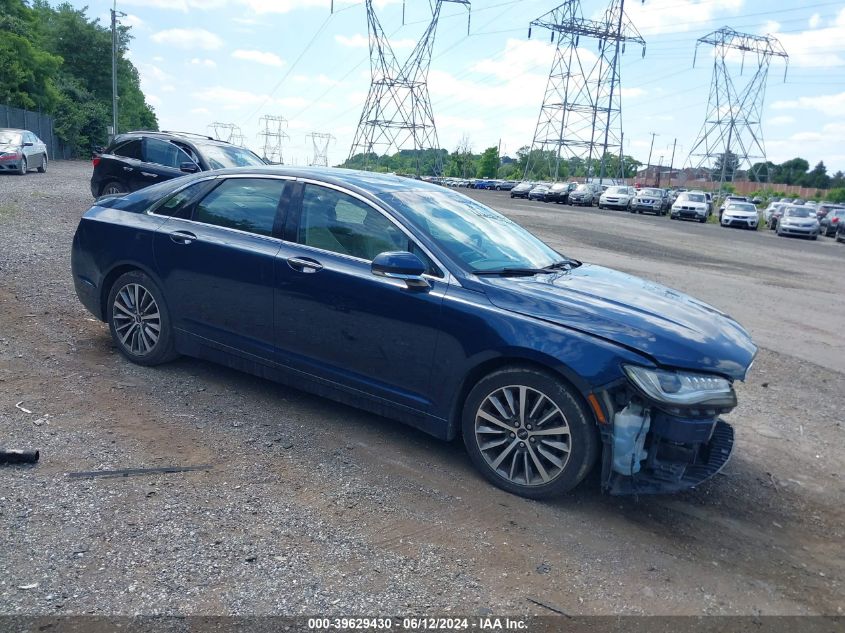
[135, 160]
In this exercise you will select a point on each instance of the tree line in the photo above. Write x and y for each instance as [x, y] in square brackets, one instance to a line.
[57, 61]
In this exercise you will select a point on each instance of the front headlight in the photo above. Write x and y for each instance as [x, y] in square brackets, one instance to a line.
[681, 388]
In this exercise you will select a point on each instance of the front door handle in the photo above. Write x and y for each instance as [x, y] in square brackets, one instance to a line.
[149, 175]
[182, 237]
[128, 169]
[304, 264]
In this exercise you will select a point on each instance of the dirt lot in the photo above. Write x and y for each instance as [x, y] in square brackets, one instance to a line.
[312, 507]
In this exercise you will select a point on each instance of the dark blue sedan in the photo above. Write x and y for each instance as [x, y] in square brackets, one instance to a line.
[421, 304]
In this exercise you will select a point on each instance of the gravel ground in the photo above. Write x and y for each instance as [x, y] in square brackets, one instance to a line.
[309, 507]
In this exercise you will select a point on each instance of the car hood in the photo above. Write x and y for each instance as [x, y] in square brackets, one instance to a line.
[741, 214]
[672, 328]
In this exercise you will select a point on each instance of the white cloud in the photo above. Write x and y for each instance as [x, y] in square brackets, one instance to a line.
[200, 111]
[189, 39]
[259, 57]
[673, 16]
[177, 5]
[831, 105]
[228, 96]
[815, 21]
[133, 21]
[152, 100]
[780, 120]
[362, 41]
[320, 80]
[816, 47]
[285, 6]
[632, 93]
[206, 63]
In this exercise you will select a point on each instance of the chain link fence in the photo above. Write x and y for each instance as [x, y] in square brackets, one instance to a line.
[40, 124]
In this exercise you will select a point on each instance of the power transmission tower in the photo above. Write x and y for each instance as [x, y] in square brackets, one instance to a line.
[238, 139]
[398, 113]
[581, 115]
[320, 141]
[732, 132]
[271, 129]
[228, 132]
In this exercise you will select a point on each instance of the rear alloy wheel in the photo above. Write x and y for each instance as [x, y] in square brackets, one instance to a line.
[113, 188]
[42, 168]
[528, 433]
[139, 321]
[23, 167]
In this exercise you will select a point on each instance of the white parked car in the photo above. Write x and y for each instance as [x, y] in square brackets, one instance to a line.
[690, 205]
[617, 197]
[741, 214]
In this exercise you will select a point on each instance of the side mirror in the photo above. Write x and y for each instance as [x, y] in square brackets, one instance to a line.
[401, 265]
[27, 144]
[189, 167]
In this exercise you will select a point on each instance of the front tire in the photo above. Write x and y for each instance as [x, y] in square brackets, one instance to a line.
[529, 433]
[139, 321]
[23, 167]
[42, 168]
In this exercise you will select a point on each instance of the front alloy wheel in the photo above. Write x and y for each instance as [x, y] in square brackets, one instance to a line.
[529, 433]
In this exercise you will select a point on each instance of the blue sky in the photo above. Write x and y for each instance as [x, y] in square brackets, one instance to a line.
[235, 60]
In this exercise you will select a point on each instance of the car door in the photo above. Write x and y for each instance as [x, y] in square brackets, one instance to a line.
[123, 165]
[335, 319]
[160, 161]
[215, 256]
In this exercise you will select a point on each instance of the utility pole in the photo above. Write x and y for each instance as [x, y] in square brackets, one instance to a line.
[732, 128]
[622, 157]
[581, 114]
[398, 113]
[672, 162]
[114, 15]
[648, 164]
[659, 167]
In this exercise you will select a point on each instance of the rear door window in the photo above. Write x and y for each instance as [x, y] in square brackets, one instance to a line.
[164, 153]
[130, 149]
[245, 204]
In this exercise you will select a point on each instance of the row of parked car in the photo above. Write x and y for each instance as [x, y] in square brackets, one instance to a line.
[807, 219]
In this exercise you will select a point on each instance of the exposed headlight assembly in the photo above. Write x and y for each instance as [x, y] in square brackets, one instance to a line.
[681, 388]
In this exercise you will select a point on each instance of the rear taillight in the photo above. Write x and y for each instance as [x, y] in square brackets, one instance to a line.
[95, 160]
[834, 220]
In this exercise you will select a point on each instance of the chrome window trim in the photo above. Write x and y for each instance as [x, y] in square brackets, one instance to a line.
[448, 277]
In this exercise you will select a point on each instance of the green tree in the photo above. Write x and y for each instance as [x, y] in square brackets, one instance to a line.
[837, 181]
[817, 177]
[791, 172]
[727, 163]
[488, 164]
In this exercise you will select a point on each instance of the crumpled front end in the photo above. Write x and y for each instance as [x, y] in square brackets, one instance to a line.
[654, 446]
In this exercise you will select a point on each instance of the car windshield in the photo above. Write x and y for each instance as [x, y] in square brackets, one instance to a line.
[223, 156]
[617, 190]
[558, 186]
[693, 197]
[798, 212]
[654, 193]
[582, 188]
[742, 206]
[7, 137]
[474, 235]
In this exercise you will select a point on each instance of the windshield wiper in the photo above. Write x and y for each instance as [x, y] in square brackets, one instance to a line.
[564, 264]
[514, 272]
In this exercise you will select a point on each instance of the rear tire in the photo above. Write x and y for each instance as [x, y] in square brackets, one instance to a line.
[139, 321]
[113, 187]
[502, 437]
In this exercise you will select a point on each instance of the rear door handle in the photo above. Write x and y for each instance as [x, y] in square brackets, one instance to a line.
[148, 174]
[127, 169]
[182, 237]
[304, 264]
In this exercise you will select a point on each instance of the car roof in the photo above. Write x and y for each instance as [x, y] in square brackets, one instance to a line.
[187, 137]
[364, 181]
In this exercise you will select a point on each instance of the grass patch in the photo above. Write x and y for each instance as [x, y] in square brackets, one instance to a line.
[8, 210]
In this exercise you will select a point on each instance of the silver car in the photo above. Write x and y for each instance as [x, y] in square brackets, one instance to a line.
[21, 150]
[798, 220]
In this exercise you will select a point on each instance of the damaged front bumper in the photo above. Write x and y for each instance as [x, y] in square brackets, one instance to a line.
[673, 466]
[654, 447]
